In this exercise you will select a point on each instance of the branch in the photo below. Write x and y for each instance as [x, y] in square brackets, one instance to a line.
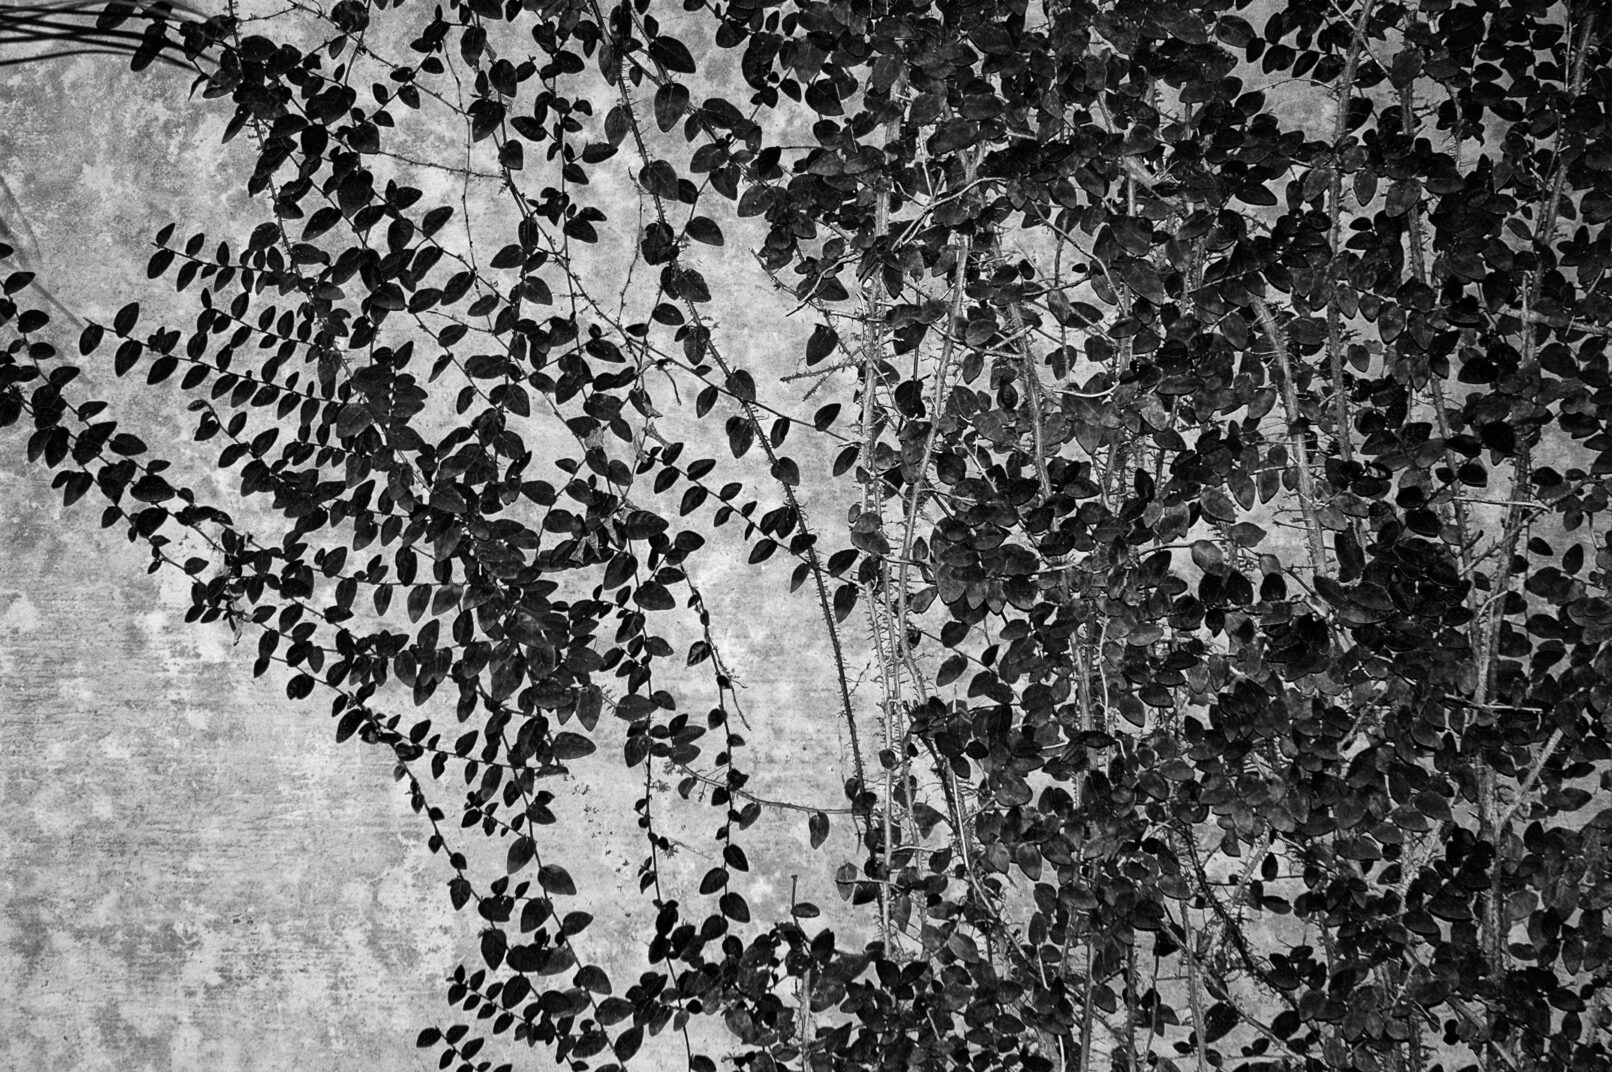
[1301, 450]
[1335, 212]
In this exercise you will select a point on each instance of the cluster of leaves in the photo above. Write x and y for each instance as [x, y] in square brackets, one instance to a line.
[1224, 490]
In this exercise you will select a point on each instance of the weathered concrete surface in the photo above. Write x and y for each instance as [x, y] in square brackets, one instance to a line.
[195, 875]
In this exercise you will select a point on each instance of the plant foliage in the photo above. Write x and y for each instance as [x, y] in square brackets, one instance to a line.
[1217, 398]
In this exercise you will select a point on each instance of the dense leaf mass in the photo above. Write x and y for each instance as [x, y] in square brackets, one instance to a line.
[1218, 401]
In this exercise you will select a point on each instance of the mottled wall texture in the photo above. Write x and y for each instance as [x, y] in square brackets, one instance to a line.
[196, 876]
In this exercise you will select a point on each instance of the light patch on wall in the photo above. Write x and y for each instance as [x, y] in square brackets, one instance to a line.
[21, 616]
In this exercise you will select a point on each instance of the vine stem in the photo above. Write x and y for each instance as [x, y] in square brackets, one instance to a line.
[751, 416]
[921, 468]
[1301, 449]
[1340, 125]
[1033, 397]
[1194, 999]
[888, 640]
[1531, 780]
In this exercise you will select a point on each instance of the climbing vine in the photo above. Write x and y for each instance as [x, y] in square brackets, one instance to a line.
[1199, 453]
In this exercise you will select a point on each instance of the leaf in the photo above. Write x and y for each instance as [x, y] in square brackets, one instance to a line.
[734, 907]
[714, 880]
[123, 323]
[817, 829]
[1234, 31]
[152, 489]
[1597, 206]
[590, 702]
[355, 191]
[636, 750]
[741, 436]
[521, 851]
[1402, 196]
[952, 136]
[1351, 558]
[1207, 555]
[433, 221]
[354, 418]
[486, 116]
[634, 707]
[1219, 1019]
[652, 595]
[704, 229]
[592, 978]
[1255, 193]
[659, 178]
[628, 1042]
[1332, 591]
[570, 745]
[671, 101]
[1365, 183]
[494, 943]
[672, 54]
[844, 601]
[1217, 505]
[555, 880]
[1183, 25]
[821, 344]
[785, 471]
[535, 914]
[1247, 534]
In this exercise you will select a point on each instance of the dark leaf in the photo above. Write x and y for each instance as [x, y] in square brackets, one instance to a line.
[493, 946]
[592, 978]
[628, 1042]
[704, 229]
[568, 745]
[671, 53]
[521, 851]
[953, 135]
[556, 880]
[1218, 1021]
[734, 907]
[123, 323]
[671, 101]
